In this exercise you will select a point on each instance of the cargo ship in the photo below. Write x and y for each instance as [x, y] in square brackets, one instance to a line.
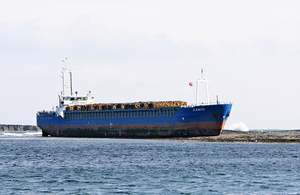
[79, 116]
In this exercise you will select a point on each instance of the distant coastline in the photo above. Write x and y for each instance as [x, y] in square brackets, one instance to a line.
[4, 127]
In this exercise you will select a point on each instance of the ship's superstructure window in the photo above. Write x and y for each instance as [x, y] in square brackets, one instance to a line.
[120, 113]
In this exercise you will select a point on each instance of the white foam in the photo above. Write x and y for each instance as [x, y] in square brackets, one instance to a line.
[238, 127]
[21, 133]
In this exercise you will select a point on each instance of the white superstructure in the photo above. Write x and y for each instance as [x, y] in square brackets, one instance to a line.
[73, 98]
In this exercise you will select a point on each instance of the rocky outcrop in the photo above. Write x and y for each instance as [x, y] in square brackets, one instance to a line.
[19, 128]
[290, 136]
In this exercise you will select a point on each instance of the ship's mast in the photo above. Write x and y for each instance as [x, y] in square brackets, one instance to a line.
[202, 80]
[66, 70]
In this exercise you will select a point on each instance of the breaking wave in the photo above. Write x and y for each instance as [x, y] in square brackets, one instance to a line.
[238, 127]
[20, 133]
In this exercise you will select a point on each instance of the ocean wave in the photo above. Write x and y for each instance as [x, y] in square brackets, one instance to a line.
[21, 133]
[238, 127]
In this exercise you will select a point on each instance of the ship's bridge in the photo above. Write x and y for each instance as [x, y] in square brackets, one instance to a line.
[76, 100]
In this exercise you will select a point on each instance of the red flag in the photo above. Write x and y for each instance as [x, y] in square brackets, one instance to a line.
[191, 83]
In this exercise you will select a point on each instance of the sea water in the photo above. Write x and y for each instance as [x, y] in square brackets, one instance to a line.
[33, 164]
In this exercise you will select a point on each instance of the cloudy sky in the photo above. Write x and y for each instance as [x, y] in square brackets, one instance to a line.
[133, 50]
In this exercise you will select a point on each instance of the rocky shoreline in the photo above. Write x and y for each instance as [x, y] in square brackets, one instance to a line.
[19, 128]
[289, 136]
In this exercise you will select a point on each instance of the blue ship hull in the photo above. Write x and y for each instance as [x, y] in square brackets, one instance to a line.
[204, 120]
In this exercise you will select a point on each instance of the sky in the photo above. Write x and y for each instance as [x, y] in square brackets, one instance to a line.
[133, 50]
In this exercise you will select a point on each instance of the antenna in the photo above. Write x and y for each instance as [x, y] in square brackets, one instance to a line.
[63, 78]
[66, 70]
